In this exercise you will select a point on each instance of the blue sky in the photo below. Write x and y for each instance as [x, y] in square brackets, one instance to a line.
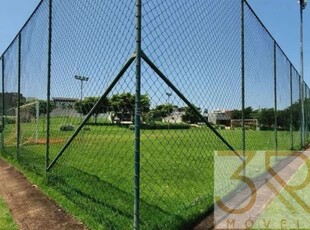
[281, 17]
[13, 15]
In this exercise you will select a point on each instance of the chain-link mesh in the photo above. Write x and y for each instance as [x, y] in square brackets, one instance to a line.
[307, 112]
[92, 40]
[1, 102]
[308, 115]
[10, 97]
[296, 109]
[33, 89]
[259, 82]
[185, 40]
[260, 93]
[198, 100]
[283, 101]
[87, 42]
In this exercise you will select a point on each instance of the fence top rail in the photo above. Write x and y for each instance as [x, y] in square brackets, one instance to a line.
[29, 18]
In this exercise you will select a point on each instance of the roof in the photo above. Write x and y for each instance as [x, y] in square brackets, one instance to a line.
[64, 99]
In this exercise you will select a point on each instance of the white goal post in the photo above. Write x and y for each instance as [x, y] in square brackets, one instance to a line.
[247, 122]
[26, 115]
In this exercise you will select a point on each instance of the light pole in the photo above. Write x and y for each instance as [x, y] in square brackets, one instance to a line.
[303, 4]
[169, 95]
[81, 78]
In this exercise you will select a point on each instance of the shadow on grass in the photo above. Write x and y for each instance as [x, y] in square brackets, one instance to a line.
[9, 152]
[32, 161]
[27, 158]
[108, 205]
[102, 202]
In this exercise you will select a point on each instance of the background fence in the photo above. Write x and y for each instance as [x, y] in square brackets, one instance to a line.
[124, 121]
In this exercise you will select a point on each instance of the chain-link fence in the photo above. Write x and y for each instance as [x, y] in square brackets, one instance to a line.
[122, 105]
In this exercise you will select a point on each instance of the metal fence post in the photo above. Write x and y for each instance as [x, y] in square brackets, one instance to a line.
[302, 80]
[301, 111]
[243, 86]
[306, 104]
[291, 108]
[305, 114]
[48, 84]
[18, 98]
[137, 115]
[275, 96]
[2, 118]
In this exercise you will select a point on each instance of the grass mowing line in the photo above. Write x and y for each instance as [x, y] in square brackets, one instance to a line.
[6, 219]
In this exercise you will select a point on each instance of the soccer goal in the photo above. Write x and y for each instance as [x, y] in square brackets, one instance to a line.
[29, 122]
[248, 123]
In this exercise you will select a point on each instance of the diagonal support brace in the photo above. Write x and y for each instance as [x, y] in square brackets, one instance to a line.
[169, 83]
[91, 112]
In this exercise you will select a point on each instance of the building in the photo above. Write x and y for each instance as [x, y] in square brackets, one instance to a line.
[175, 116]
[10, 102]
[219, 117]
[64, 103]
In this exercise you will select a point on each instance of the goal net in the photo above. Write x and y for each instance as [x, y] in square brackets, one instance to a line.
[248, 123]
[29, 122]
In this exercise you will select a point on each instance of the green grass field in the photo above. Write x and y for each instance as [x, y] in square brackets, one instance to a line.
[6, 220]
[94, 177]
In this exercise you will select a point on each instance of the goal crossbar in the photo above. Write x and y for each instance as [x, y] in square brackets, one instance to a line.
[253, 122]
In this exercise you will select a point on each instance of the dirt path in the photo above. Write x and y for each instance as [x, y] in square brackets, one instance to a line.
[30, 208]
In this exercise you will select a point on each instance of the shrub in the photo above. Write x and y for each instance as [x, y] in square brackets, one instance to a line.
[162, 125]
[264, 127]
[100, 124]
[67, 127]
[9, 120]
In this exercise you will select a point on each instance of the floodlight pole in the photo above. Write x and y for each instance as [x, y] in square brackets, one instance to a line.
[81, 78]
[169, 95]
[303, 4]
[48, 90]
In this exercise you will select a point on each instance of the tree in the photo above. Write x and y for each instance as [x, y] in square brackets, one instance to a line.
[42, 107]
[125, 103]
[160, 111]
[122, 102]
[296, 114]
[284, 118]
[237, 114]
[88, 103]
[265, 117]
[190, 116]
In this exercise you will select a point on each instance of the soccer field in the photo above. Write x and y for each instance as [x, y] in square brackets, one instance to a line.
[95, 174]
